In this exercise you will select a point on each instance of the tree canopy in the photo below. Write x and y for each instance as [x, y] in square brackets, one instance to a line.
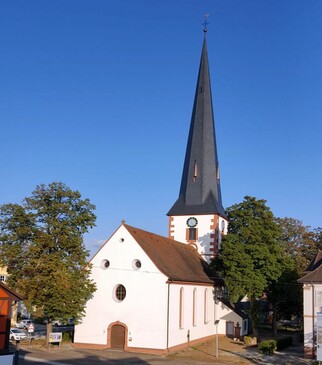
[299, 243]
[262, 254]
[41, 244]
[251, 257]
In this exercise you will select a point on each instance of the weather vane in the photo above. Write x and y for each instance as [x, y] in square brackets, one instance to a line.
[205, 23]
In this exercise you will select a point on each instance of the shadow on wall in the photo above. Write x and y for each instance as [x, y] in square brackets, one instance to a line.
[204, 242]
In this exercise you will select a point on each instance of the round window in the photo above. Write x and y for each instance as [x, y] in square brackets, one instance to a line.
[105, 264]
[136, 264]
[120, 292]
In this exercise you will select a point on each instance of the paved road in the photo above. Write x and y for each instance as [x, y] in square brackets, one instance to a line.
[96, 357]
[92, 357]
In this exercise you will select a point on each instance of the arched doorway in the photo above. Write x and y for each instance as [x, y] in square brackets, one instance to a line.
[117, 336]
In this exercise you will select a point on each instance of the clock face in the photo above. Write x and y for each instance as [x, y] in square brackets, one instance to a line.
[192, 222]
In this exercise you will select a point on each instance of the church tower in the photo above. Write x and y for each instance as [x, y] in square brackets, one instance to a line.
[198, 217]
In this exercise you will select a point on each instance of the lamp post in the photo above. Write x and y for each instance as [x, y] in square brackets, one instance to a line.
[216, 324]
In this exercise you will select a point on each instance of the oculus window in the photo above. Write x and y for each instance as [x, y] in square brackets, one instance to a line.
[120, 292]
[105, 264]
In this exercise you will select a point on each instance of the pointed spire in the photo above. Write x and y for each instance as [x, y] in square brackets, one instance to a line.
[200, 185]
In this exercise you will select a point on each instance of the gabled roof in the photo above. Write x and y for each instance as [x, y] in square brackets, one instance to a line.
[315, 262]
[176, 260]
[236, 308]
[200, 184]
[13, 294]
[313, 271]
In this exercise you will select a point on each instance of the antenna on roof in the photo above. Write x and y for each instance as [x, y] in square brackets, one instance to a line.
[205, 23]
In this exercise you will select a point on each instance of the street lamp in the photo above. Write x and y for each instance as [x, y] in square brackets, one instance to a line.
[216, 324]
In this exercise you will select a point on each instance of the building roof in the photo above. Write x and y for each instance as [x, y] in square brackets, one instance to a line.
[176, 260]
[236, 308]
[313, 271]
[315, 262]
[13, 294]
[200, 184]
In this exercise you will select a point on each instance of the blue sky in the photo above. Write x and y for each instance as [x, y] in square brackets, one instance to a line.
[98, 94]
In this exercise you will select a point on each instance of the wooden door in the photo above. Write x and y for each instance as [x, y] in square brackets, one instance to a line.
[117, 337]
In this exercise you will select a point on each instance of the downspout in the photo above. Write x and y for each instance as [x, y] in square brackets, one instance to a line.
[168, 313]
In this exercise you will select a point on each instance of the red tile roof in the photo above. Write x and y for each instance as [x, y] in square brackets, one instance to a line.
[313, 271]
[178, 261]
[13, 294]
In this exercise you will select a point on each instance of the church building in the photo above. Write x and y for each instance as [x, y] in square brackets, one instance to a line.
[156, 294]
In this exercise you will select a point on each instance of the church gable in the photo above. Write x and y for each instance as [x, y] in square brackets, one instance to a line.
[134, 249]
[121, 252]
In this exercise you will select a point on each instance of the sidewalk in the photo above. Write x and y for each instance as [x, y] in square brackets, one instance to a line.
[233, 352]
[230, 352]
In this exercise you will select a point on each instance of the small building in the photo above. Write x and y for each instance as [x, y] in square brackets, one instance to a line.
[312, 303]
[7, 298]
[154, 295]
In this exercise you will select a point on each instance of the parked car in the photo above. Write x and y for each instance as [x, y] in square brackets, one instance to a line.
[24, 323]
[57, 323]
[17, 335]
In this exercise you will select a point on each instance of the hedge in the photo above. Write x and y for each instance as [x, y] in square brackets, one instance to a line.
[267, 347]
[284, 342]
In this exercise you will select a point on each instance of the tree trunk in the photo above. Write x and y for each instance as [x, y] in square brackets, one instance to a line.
[254, 317]
[274, 319]
[49, 329]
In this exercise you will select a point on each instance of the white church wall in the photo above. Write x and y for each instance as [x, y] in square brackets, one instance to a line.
[144, 308]
[226, 314]
[192, 327]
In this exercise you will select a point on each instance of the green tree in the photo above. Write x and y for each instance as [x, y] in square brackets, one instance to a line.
[251, 257]
[41, 244]
[299, 244]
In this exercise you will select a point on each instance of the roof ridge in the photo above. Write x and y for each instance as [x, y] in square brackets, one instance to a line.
[169, 241]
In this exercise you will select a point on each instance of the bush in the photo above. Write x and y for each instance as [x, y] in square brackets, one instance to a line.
[284, 342]
[68, 336]
[267, 347]
[250, 341]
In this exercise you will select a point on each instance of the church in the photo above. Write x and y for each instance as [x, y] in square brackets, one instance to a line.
[157, 294]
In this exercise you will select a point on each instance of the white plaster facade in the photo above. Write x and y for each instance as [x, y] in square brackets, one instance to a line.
[312, 304]
[210, 230]
[159, 315]
[230, 319]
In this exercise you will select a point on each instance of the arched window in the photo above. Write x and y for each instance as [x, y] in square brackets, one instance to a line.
[181, 308]
[206, 306]
[194, 307]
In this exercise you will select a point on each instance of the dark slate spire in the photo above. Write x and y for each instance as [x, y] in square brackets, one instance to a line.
[200, 183]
